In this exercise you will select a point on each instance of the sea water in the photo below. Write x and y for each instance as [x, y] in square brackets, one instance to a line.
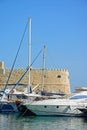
[20, 122]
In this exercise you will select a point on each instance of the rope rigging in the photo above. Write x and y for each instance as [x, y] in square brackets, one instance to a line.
[28, 67]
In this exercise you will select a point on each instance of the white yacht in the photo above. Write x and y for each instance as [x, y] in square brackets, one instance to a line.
[45, 106]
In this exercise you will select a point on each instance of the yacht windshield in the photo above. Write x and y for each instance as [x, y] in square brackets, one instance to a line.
[78, 97]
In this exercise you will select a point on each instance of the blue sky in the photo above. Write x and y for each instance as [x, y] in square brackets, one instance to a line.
[59, 24]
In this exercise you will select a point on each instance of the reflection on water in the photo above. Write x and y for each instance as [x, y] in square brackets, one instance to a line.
[18, 122]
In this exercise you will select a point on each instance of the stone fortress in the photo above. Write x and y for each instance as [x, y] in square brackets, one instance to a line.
[55, 80]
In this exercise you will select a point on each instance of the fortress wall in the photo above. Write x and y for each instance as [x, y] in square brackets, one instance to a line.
[56, 80]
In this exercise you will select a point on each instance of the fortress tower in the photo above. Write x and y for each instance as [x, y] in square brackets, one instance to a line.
[54, 80]
[1, 67]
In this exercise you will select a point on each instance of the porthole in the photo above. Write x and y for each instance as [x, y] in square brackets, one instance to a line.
[45, 106]
[57, 106]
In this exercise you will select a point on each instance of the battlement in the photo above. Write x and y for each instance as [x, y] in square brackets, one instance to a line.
[52, 69]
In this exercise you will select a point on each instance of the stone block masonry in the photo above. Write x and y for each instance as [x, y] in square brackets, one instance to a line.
[55, 80]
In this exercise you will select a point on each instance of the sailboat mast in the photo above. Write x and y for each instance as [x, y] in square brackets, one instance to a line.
[44, 66]
[29, 51]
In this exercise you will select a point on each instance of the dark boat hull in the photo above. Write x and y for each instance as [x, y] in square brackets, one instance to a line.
[23, 109]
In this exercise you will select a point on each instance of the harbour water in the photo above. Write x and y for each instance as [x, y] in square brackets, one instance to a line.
[20, 122]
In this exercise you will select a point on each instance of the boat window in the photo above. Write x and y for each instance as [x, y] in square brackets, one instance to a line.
[79, 97]
[45, 106]
[44, 76]
[57, 106]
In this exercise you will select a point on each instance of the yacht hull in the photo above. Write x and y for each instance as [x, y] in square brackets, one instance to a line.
[55, 107]
[8, 107]
[53, 111]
